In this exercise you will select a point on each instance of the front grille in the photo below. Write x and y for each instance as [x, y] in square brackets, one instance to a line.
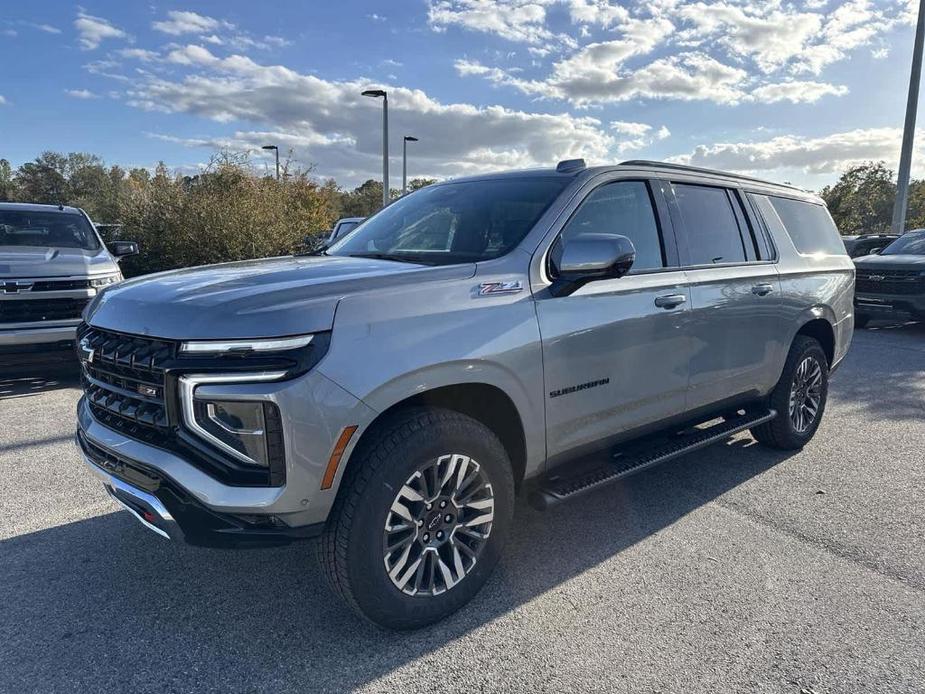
[902, 282]
[40, 310]
[125, 378]
[59, 285]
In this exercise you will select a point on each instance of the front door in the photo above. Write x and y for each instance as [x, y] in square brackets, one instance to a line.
[615, 352]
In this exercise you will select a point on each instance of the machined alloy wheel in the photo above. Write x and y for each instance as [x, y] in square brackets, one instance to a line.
[437, 525]
[805, 394]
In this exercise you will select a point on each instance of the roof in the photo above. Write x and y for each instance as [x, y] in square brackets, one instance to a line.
[36, 207]
[576, 167]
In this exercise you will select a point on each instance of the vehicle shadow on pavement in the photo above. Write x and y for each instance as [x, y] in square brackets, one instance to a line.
[893, 380]
[20, 380]
[104, 604]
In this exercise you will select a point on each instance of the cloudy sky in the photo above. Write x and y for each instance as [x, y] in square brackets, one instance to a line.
[791, 90]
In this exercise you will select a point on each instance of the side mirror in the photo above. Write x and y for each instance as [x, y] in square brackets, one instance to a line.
[591, 257]
[120, 249]
[875, 251]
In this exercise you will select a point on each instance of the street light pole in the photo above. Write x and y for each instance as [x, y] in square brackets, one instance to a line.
[275, 149]
[404, 162]
[376, 93]
[905, 157]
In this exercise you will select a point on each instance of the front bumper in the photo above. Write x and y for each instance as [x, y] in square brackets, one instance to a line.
[205, 511]
[885, 305]
[26, 338]
[162, 506]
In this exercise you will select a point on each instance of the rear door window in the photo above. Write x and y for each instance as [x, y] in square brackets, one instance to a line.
[714, 235]
[810, 226]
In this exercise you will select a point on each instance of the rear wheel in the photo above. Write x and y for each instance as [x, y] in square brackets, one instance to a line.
[420, 520]
[799, 397]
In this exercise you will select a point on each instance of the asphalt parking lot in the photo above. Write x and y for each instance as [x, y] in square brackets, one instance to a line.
[735, 569]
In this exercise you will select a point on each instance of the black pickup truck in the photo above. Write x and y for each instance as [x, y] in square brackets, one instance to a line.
[891, 284]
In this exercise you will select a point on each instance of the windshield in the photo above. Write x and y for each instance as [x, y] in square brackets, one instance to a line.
[912, 243]
[46, 230]
[454, 223]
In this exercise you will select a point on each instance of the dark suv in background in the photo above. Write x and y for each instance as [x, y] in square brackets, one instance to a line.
[891, 283]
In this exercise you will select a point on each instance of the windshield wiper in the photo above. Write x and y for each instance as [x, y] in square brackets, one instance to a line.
[392, 256]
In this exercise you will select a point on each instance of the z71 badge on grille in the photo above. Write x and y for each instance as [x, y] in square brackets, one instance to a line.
[489, 288]
[148, 391]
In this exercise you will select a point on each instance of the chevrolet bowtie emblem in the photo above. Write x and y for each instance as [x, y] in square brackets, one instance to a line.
[16, 286]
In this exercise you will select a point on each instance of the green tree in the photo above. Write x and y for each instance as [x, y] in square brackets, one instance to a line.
[861, 201]
[7, 184]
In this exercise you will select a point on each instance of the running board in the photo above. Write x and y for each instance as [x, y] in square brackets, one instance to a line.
[640, 456]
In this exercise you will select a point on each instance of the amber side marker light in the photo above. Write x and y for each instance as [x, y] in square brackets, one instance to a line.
[334, 461]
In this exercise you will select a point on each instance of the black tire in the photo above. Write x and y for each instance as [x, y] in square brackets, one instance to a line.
[352, 548]
[781, 432]
[860, 320]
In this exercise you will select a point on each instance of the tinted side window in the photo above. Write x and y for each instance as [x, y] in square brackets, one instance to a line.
[713, 233]
[623, 208]
[809, 225]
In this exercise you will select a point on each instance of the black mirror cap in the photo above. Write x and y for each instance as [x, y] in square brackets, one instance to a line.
[121, 249]
[591, 257]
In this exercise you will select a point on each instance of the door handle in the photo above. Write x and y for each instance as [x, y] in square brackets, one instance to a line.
[670, 300]
[762, 289]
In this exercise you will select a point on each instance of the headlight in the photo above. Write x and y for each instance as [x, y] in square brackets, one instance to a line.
[279, 344]
[106, 281]
[249, 431]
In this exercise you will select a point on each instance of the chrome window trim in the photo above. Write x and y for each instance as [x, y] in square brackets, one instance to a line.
[188, 385]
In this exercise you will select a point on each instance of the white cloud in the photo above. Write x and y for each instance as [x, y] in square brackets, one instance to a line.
[637, 135]
[12, 33]
[217, 32]
[726, 51]
[328, 122]
[515, 20]
[80, 93]
[797, 92]
[827, 154]
[47, 28]
[600, 12]
[92, 31]
[141, 54]
[2, 100]
[183, 22]
[593, 77]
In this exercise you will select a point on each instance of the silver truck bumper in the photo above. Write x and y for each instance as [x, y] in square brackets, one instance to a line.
[314, 412]
[24, 337]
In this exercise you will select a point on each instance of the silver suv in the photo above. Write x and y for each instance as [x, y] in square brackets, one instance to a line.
[52, 262]
[545, 332]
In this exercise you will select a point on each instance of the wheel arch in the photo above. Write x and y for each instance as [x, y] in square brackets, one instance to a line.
[484, 402]
[821, 328]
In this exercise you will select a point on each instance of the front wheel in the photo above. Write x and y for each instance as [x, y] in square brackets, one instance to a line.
[799, 397]
[420, 520]
[860, 320]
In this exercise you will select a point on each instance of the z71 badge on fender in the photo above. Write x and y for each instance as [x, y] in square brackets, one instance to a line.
[489, 288]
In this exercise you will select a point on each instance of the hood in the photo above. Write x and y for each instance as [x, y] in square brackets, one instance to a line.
[34, 261]
[891, 262]
[250, 299]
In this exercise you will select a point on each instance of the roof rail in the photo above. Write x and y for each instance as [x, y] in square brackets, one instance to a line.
[697, 169]
[569, 165]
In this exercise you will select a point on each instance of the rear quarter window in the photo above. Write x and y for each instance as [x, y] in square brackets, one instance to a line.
[810, 226]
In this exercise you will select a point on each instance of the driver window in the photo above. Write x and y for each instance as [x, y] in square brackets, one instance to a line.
[624, 208]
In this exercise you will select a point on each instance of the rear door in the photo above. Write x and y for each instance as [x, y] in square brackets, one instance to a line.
[615, 353]
[736, 316]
